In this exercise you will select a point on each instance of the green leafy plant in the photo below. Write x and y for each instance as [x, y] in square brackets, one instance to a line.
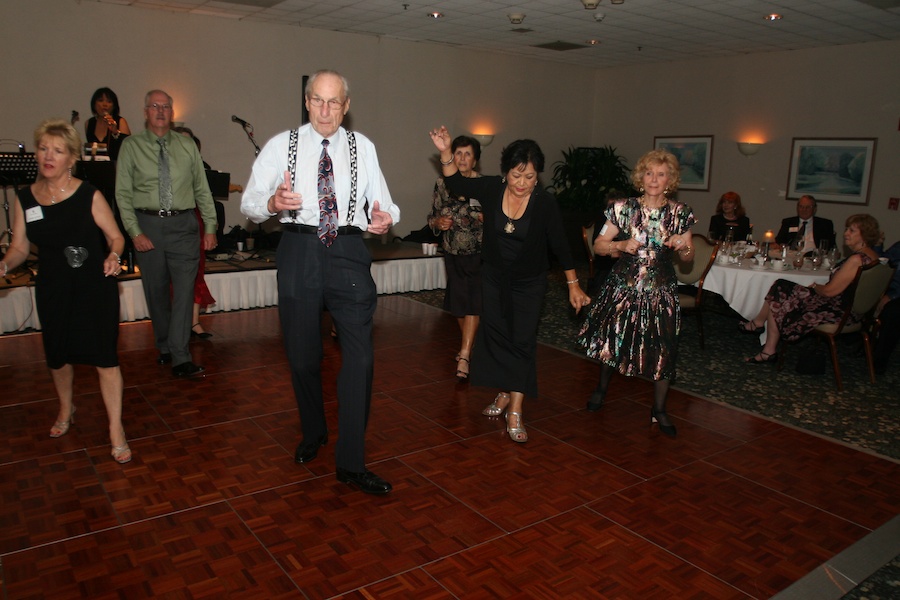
[585, 176]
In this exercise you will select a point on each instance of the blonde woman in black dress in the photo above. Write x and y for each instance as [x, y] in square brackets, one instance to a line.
[77, 294]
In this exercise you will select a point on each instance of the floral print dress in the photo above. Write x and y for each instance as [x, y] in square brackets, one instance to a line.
[798, 309]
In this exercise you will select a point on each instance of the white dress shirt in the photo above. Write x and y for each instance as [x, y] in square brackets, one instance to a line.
[272, 162]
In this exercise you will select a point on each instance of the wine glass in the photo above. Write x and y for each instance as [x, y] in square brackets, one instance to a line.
[816, 259]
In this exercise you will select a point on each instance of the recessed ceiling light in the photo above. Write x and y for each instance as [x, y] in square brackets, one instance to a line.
[773, 17]
[436, 15]
[593, 42]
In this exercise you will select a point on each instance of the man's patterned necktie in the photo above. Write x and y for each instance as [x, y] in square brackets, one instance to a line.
[328, 212]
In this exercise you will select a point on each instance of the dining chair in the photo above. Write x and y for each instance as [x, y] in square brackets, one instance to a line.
[871, 283]
[693, 273]
[587, 234]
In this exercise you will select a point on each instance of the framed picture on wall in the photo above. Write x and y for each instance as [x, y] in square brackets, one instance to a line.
[694, 154]
[835, 170]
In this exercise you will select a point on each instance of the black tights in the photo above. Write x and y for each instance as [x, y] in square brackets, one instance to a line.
[660, 392]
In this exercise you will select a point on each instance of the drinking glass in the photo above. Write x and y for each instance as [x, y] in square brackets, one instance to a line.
[798, 260]
[816, 260]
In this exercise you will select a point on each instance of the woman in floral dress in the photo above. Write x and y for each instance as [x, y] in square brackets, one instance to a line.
[792, 310]
[632, 326]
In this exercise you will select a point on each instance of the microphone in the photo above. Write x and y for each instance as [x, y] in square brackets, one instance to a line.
[241, 121]
[21, 147]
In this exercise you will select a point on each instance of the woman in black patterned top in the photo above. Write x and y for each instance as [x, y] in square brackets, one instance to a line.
[459, 220]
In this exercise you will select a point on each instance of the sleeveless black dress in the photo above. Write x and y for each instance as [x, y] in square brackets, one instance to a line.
[78, 305]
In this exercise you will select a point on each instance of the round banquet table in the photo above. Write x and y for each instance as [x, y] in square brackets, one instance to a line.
[744, 287]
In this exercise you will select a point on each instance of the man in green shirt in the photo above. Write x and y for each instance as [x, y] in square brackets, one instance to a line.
[159, 181]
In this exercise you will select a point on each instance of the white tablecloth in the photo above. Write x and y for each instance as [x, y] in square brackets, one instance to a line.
[744, 288]
[233, 290]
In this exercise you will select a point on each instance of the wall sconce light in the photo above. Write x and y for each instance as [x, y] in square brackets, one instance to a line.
[617, 1]
[516, 18]
[484, 139]
[590, 4]
[749, 148]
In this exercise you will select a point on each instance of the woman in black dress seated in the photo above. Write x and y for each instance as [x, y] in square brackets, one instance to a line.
[76, 288]
[522, 223]
[792, 310]
[106, 126]
[730, 215]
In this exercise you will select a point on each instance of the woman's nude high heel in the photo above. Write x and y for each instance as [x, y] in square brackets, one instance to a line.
[61, 428]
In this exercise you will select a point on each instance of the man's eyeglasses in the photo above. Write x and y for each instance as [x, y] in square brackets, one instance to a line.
[332, 104]
[156, 106]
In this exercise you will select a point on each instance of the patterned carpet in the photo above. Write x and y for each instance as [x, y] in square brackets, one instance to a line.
[865, 415]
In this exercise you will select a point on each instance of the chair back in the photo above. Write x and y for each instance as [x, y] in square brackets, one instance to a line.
[693, 272]
[873, 281]
[587, 234]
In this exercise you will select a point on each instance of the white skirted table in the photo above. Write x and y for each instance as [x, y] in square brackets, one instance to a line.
[235, 290]
[744, 288]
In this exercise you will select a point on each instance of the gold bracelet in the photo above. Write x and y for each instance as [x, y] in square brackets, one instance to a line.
[446, 163]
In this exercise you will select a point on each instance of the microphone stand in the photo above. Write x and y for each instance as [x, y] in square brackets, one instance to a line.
[248, 129]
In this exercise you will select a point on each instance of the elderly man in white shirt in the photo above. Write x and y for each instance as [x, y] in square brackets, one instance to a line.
[326, 188]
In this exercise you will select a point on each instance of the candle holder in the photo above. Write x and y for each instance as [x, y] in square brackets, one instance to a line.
[766, 246]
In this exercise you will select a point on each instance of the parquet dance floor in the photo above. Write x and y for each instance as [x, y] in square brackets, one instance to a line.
[594, 505]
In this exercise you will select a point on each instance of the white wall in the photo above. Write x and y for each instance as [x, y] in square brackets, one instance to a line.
[846, 91]
[216, 67]
[57, 52]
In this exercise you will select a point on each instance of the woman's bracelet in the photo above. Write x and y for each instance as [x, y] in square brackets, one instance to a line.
[574, 281]
[5, 268]
[609, 248]
[118, 258]
[448, 162]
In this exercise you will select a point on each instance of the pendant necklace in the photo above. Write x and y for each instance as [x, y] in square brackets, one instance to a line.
[509, 227]
[62, 190]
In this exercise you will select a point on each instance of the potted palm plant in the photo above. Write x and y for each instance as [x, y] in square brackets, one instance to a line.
[581, 181]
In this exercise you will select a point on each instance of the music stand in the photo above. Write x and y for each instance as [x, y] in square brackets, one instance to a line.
[16, 168]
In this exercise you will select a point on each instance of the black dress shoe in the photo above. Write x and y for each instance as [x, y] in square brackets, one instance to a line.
[367, 481]
[187, 369]
[596, 401]
[307, 451]
[164, 358]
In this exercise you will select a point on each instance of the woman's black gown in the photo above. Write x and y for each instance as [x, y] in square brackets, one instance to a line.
[78, 305]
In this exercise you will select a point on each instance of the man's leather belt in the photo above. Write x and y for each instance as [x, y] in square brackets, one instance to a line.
[159, 213]
[343, 230]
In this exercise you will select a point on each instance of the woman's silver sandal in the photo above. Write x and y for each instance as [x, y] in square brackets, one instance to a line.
[495, 410]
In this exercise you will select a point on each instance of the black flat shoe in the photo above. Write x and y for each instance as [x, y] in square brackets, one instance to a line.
[307, 451]
[761, 358]
[669, 429]
[596, 401]
[164, 359]
[367, 481]
[203, 335]
[187, 369]
[742, 327]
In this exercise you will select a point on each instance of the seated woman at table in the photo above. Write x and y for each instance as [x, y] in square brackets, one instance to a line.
[730, 215]
[792, 310]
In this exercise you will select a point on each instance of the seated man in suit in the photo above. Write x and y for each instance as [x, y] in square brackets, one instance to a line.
[806, 226]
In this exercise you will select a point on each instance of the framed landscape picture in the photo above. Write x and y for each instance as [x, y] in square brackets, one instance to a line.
[835, 170]
[694, 154]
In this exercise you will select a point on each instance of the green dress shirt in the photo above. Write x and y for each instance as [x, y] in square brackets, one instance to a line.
[137, 179]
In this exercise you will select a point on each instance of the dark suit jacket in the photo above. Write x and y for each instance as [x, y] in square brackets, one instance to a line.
[823, 229]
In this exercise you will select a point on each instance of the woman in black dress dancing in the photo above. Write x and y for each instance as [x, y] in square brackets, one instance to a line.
[521, 223]
[76, 288]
